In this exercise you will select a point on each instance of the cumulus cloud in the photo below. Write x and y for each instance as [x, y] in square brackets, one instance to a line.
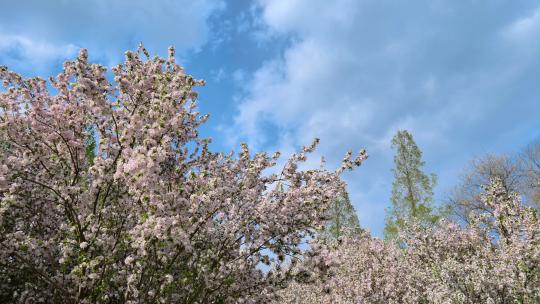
[357, 71]
[106, 28]
[21, 53]
[525, 28]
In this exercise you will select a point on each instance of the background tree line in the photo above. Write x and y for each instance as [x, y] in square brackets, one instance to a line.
[412, 196]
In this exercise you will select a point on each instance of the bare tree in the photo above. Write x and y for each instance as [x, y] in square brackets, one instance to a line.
[519, 173]
[530, 158]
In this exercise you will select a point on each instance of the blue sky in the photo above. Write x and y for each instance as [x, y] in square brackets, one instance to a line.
[462, 76]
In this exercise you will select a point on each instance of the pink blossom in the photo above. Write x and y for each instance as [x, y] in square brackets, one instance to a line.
[151, 214]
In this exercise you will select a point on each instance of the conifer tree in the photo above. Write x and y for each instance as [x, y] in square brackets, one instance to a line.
[342, 219]
[412, 189]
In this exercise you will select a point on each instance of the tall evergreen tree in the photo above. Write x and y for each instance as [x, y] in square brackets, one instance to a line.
[342, 219]
[412, 190]
[90, 151]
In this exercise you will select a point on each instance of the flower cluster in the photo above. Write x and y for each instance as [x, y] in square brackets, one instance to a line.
[494, 260]
[109, 195]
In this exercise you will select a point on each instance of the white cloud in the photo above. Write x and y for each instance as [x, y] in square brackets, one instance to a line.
[218, 75]
[108, 28]
[356, 71]
[19, 52]
[525, 28]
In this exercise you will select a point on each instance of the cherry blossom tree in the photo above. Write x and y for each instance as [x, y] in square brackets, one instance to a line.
[443, 264]
[109, 195]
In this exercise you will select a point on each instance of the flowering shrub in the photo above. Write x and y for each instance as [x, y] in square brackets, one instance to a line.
[494, 260]
[109, 195]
